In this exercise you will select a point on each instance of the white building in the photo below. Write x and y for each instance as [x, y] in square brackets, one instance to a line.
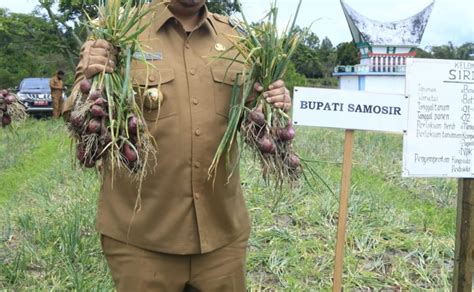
[383, 50]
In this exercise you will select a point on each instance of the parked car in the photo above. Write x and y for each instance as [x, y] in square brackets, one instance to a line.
[35, 95]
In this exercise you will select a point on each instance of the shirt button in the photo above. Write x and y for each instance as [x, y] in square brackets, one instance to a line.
[197, 164]
[192, 71]
[196, 196]
[198, 132]
[151, 78]
[195, 101]
[187, 46]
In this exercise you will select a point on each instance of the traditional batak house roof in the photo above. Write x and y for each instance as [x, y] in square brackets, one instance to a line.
[384, 46]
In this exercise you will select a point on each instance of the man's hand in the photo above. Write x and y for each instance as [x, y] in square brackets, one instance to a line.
[97, 56]
[277, 94]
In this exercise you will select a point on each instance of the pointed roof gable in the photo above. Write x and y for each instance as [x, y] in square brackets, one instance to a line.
[406, 32]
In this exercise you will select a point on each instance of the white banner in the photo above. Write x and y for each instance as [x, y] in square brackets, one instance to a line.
[440, 136]
[346, 109]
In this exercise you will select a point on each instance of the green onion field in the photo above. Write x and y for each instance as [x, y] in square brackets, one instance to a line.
[400, 231]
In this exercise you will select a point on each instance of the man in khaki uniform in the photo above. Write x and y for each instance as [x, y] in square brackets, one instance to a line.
[56, 85]
[188, 235]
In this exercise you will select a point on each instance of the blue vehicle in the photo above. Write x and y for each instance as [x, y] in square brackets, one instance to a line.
[35, 95]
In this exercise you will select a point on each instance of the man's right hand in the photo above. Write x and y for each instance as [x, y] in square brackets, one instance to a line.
[97, 56]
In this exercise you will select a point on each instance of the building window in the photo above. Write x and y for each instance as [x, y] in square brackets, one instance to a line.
[391, 50]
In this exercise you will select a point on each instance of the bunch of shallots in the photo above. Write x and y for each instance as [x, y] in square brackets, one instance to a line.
[266, 53]
[107, 121]
[103, 128]
[10, 109]
[270, 136]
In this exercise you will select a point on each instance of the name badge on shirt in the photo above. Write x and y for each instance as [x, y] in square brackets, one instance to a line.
[148, 56]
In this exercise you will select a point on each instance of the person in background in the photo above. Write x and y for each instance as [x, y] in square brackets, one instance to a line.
[189, 235]
[56, 85]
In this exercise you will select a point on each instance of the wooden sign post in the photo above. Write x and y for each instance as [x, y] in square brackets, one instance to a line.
[343, 210]
[348, 110]
[464, 253]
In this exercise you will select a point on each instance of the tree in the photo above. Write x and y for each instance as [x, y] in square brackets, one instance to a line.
[444, 52]
[307, 62]
[293, 78]
[422, 54]
[62, 29]
[449, 51]
[465, 51]
[327, 56]
[305, 58]
[311, 40]
[27, 48]
[226, 7]
[347, 54]
[75, 10]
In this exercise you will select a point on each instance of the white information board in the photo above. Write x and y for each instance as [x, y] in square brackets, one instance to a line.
[440, 137]
[347, 109]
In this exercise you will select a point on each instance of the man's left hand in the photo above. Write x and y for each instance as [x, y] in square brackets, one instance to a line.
[277, 94]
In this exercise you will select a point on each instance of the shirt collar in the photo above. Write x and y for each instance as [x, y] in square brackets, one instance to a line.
[163, 14]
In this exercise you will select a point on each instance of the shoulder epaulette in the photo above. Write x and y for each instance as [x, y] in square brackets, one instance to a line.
[221, 18]
[233, 21]
[237, 25]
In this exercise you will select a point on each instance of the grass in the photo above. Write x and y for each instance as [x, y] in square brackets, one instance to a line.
[400, 231]
[25, 154]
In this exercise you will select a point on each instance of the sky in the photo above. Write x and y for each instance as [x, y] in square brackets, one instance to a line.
[451, 20]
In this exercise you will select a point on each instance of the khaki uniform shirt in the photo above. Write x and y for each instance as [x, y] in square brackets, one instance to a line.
[56, 86]
[181, 211]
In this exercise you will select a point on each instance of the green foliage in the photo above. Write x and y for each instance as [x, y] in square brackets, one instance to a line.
[465, 51]
[444, 52]
[449, 51]
[293, 78]
[327, 57]
[28, 48]
[307, 62]
[347, 54]
[329, 82]
[305, 58]
[314, 59]
[420, 53]
[74, 9]
[224, 7]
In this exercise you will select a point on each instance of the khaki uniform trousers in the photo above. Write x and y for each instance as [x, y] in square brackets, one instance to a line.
[136, 269]
[57, 105]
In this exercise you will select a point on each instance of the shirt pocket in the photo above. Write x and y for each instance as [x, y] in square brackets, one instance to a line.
[161, 79]
[224, 80]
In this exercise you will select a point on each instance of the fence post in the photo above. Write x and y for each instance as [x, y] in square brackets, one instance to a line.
[464, 252]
